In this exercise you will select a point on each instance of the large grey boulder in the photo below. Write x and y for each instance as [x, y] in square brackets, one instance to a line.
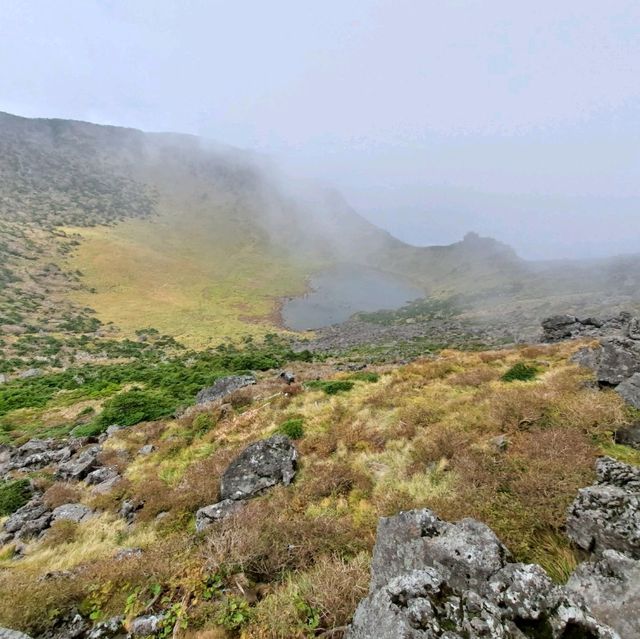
[209, 515]
[30, 520]
[628, 436]
[101, 474]
[611, 588]
[30, 373]
[38, 453]
[145, 626]
[618, 360]
[629, 390]
[223, 387]
[416, 539]
[5, 633]
[560, 327]
[71, 512]
[260, 466]
[455, 581]
[617, 357]
[112, 628]
[79, 466]
[607, 515]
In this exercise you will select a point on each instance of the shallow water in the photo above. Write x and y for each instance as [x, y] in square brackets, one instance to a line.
[337, 293]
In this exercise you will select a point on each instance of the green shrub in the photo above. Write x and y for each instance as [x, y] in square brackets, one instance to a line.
[234, 613]
[202, 423]
[331, 387]
[365, 376]
[90, 430]
[136, 405]
[520, 372]
[13, 495]
[293, 428]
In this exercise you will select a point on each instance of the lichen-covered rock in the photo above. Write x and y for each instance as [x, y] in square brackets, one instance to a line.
[559, 327]
[435, 585]
[260, 466]
[628, 435]
[611, 588]
[618, 360]
[629, 390]
[38, 453]
[145, 626]
[607, 515]
[71, 512]
[417, 539]
[79, 466]
[109, 629]
[103, 479]
[223, 387]
[129, 508]
[5, 633]
[30, 520]
[209, 515]
[100, 475]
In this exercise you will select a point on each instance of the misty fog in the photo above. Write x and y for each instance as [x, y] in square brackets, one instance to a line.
[516, 120]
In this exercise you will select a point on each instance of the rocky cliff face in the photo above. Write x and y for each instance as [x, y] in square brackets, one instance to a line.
[431, 578]
[616, 358]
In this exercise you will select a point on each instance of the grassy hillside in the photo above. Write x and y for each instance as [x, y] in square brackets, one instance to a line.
[193, 277]
[202, 242]
[295, 560]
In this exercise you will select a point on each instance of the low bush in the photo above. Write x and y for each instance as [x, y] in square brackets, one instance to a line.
[134, 406]
[365, 376]
[13, 495]
[293, 428]
[520, 372]
[331, 387]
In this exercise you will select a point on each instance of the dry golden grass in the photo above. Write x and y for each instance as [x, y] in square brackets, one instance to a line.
[61, 493]
[420, 437]
[177, 274]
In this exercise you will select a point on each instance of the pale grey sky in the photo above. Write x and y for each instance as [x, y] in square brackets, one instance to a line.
[516, 119]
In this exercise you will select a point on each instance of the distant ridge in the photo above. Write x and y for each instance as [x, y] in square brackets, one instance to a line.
[214, 236]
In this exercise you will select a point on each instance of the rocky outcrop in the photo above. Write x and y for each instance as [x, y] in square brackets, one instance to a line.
[616, 361]
[29, 521]
[628, 436]
[260, 466]
[38, 453]
[629, 390]
[606, 516]
[81, 465]
[5, 633]
[560, 327]
[145, 626]
[224, 387]
[209, 515]
[109, 629]
[71, 512]
[434, 579]
[417, 539]
[611, 588]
